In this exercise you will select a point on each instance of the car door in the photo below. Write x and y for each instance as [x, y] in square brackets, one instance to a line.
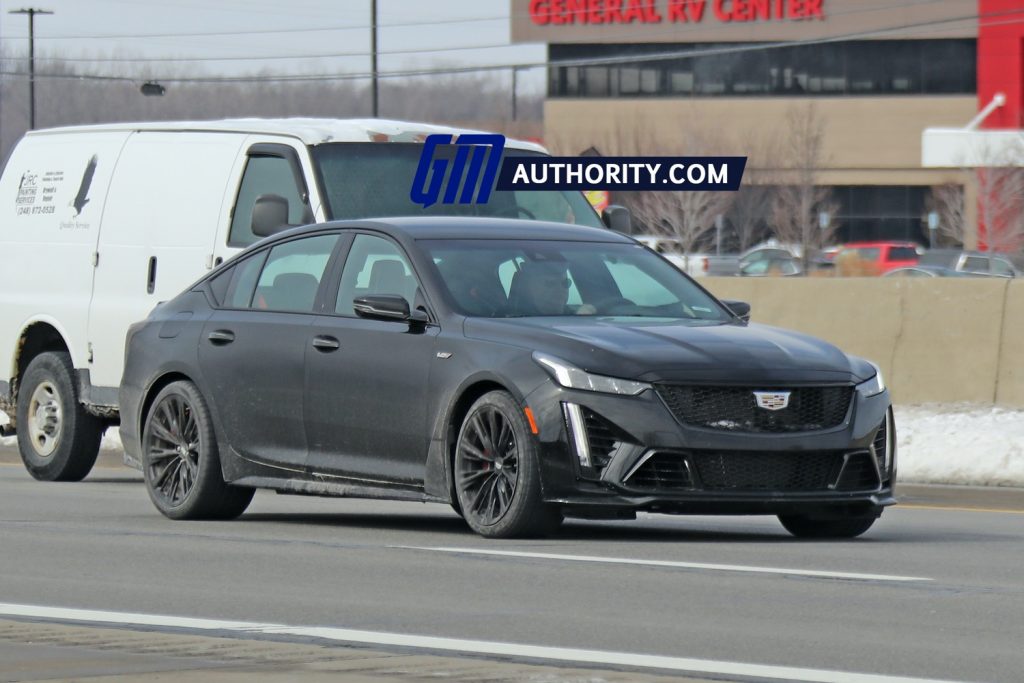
[252, 350]
[366, 380]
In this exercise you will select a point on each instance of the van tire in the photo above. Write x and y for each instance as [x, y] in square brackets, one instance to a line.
[57, 438]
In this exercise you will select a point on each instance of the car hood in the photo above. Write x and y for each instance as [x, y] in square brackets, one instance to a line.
[672, 350]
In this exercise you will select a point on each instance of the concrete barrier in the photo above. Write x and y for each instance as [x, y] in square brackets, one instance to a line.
[936, 340]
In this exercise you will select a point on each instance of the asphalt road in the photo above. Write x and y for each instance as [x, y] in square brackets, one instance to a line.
[944, 599]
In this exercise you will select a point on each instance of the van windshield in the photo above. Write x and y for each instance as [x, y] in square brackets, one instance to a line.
[373, 180]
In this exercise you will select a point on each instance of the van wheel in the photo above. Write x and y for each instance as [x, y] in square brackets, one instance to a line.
[497, 472]
[58, 439]
[180, 461]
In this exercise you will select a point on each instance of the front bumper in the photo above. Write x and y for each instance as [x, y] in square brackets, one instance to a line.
[647, 459]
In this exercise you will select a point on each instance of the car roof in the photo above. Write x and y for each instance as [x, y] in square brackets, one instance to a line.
[879, 243]
[471, 227]
[310, 131]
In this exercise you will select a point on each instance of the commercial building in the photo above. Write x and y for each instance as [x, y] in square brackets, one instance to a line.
[636, 75]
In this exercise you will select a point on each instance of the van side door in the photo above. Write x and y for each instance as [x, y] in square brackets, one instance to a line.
[159, 225]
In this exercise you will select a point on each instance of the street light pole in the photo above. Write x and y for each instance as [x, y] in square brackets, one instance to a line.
[373, 54]
[31, 12]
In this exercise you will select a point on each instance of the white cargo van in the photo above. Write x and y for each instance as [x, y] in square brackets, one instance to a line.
[98, 224]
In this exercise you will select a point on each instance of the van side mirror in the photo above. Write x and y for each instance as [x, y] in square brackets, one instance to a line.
[741, 309]
[617, 218]
[269, 215]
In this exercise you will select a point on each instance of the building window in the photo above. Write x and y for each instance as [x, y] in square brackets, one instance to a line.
[869, 67]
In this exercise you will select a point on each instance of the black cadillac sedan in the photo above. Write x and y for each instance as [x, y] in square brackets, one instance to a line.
[519, 371]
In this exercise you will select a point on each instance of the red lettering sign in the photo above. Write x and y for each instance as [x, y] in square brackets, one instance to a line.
[560, 12]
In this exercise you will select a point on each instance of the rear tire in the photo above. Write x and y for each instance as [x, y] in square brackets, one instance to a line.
[57, 438]
[497, 472]
[180, 460]
[802, 526]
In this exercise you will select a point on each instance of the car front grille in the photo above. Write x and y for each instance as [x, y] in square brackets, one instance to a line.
[743, 471]
[735, 409]
[603, 437]
[754, 472]
[662, 471]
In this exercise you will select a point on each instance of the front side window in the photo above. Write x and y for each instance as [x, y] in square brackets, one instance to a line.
[516, 278]
[374, 266]
[291, 277]
[264, 175]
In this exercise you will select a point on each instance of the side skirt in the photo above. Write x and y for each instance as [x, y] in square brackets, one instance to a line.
[335, 489]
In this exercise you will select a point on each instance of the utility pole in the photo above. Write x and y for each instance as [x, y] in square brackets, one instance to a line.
[31, 12]
[373, 56]
[515, 71]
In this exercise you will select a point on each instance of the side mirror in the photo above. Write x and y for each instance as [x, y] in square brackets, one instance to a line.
[387, 307]
[269, 215]
[617, 218]
[740, 308]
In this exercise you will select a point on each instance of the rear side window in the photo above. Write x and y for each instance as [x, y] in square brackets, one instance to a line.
[975, 264]
[1001, 267]
[902, 254]
[291, 277]
[233, 288]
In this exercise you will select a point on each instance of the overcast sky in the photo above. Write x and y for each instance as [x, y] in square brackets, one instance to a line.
[251, 34]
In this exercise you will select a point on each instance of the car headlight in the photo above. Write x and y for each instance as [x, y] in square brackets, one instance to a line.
[874, 386]
[571, 377]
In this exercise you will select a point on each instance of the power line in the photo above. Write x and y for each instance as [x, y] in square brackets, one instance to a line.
[436, 22]
[675, 31]
[622, 59]
[203, 34]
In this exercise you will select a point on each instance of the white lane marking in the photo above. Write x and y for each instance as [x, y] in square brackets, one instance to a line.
[669, 563]
[458, 645]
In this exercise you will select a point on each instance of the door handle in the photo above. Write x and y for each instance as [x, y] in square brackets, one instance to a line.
[221, 337]
[325, 343]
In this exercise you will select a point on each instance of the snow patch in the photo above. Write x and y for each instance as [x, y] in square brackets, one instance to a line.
[977, 445]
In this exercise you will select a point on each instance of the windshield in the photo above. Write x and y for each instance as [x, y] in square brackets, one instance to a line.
[373, 180]
[516, 278]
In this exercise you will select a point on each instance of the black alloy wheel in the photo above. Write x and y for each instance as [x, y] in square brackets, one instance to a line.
[180, 460]
[172, 449]
[489, 466]
[497, 472]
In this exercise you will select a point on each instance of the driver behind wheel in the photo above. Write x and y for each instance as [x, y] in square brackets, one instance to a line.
[543, 289]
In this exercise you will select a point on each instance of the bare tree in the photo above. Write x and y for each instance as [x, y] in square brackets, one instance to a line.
[999, 183]
[948, 202]
[800, 199]
[687, 216]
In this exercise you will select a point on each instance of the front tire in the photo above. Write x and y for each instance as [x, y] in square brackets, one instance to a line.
[497, 472]
[57, 438]
[180, 460]
[803, 526]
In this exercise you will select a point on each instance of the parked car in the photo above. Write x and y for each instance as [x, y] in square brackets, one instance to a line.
[978, 263]
[766, 261]
[520, 371]
[105, 221]
[875, 258]
[694, 264]
[927, 271]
